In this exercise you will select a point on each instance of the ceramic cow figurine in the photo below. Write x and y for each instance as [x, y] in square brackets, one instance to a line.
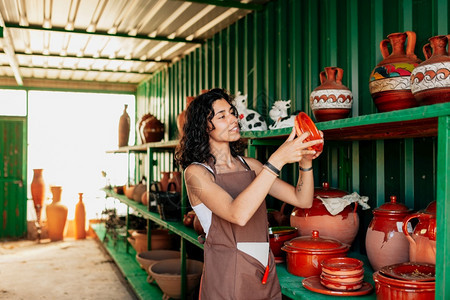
[248, 118]
[279, 115]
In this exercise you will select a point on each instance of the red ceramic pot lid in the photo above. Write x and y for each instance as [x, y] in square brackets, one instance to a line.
[327, 191]
[281, 230]
[342, 264]
[315, 243]
[303, 123]
[392, 207]
[410, 271]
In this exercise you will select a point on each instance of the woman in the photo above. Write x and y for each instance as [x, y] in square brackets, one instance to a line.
[227, 193]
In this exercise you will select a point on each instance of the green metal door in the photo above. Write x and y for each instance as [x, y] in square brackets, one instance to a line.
[13, 177]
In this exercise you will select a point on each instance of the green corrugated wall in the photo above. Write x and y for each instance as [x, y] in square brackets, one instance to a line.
[278, 53]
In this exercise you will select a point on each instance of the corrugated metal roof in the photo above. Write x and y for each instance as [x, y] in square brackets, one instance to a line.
[106, 40]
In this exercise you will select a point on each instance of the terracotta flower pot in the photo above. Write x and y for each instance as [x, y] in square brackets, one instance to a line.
[147, 258]
[161, 240]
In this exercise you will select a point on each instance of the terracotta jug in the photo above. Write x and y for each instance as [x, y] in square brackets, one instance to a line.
[176, 179]
[331, 100]
[422, 242]
[151, 129]
[389, 82]
[38, 190]
[181, 118]
[56, 215]
[164, 181]
[143, 119]
[430, 81]
[385, 242]
[124, 128]
[80, 218]
[343, 226]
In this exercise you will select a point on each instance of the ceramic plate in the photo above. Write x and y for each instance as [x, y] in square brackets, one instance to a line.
[410, 271]
[313, 284]
[303, 123]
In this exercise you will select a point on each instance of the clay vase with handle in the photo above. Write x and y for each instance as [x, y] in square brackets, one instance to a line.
[422, 242]
[80, 218]
[56, 215]
[331, 100]
[385, 243]
[38, 191]
[389, 82]
[124, 128]
[430, 81]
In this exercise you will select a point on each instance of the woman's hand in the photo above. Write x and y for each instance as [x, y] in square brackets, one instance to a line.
[311, 157]
[294, 149]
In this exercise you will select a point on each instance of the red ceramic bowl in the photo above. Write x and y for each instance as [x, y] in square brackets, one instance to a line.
[390, 288]
[278, 235]
[342, 266]
[343, 278]
[303, 123]
[340, 286]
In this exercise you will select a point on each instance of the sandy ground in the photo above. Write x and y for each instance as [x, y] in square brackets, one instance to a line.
[70, 269]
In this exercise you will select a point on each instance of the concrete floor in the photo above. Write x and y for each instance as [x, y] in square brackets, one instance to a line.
[69, 269]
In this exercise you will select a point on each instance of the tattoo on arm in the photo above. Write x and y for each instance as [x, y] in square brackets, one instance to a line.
[300, 184]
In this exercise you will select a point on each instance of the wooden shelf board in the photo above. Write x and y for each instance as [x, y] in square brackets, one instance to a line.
[143, 147]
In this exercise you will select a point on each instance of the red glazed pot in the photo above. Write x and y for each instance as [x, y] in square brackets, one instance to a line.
[305, 253]
[385, 243]
[342, 266]
[277, 237]
[389, 82]
[151, 129]
[393, 289]
[343, 226]
[422, 243]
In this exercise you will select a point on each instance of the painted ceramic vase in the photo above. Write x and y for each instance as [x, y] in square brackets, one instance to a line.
[385, 241]
[389, 82]
[80, 218]
[181, 118]
[422, 242]
[331, 100]
[124, 128]
[343, 226]
[38, 190]
[56, 215]
[430, 81]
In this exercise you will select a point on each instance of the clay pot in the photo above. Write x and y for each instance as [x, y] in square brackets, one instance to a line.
[422, 242]
[144, 198]
[343, 226]
[181, 118]
[124, 128]
[38, 190]
[389, 82]
[151, 129]
[147, 258]
[385, 243]
[80, 218]
[161, 240]
[392, 289]
[331, 100]
[342, 266]
[430, 81]
[140, 189]
[305, 253]
[129, 192]
[277, 237]
[56, 215]
[176, 179]
[167, 274]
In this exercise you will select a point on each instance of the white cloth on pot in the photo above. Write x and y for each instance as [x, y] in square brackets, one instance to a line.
[337, 204]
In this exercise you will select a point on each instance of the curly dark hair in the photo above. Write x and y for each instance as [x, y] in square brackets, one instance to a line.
[194, 143]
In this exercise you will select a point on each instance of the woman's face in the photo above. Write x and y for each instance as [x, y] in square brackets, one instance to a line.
[225, 122]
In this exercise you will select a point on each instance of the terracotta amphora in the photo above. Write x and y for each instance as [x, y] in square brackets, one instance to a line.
[80, 218]
[422, 242]
[389, 82]
[342, 226]
[56, 215]
[331, 100]
[430, 81]
[124, 128]
[385, 242]
[181, 118]
[38, 191]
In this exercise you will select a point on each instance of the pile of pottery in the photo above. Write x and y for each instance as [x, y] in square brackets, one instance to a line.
[412, 281]
[342, 274]
[160, 239]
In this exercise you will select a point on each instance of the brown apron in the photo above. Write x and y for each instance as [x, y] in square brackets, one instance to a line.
[228, 272]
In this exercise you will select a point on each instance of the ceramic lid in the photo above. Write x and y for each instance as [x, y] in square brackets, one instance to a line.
[315, 243]
[327, 191]
[392, 207]
[431, 208]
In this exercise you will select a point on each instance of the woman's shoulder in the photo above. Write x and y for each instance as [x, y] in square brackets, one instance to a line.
[199, 169]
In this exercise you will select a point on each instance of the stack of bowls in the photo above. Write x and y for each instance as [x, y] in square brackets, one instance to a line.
[342, 274]
[410, 280]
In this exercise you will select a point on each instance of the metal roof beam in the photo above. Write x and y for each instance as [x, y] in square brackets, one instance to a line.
[229, 3]
[103, 33]
[94, 57]
[8, 48]
[84, 70]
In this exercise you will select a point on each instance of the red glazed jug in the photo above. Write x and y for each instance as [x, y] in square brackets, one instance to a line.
[422, 243]
[385, 242]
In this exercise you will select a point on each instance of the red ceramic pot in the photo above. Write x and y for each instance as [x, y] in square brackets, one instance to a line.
[151, 129]
[305, 253]
[277, 237]
[385, 243]
[343, 226]
[393, 289]
[422, 243]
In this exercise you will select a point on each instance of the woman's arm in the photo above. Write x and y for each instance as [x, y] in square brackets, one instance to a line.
[202, 188]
